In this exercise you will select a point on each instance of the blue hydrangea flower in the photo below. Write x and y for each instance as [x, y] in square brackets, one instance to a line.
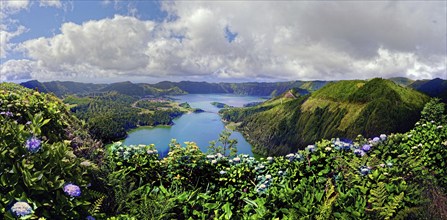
[33, 144]
[364, 170]
[311, 148]
[366, 147]
[72, 190]
[376, 139]
[359, 152]
[20, 209]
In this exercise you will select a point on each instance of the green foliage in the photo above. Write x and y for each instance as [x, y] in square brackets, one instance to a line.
[399, 176]
[111, 115]
[36, 157]
[228, 147]
[339, 109]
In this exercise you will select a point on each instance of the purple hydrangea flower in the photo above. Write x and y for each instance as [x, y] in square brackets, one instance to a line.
[376, 139]
[33, 144]
[359, 152]
[366, 147]
[72, 190]
[8, 113]
[90, 218]
[20, 209]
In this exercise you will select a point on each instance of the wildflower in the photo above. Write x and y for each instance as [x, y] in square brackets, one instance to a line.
[72, 190]
[268, 176]
[359, 152]
[383, 137]
[237, 159]
[213, 161]
[222, 172]
[310, 148]
[33, 144]
[366, 147]
[21, 209]
[364, 170]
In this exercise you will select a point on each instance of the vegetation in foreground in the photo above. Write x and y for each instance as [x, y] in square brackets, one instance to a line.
[43, 175]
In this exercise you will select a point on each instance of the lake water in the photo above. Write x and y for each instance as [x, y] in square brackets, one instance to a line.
[200, 128]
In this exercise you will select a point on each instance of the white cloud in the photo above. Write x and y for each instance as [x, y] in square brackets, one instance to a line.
[50, 3]
[279, 40]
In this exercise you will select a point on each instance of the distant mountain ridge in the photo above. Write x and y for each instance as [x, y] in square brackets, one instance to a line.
[62, 89]
[339, 109]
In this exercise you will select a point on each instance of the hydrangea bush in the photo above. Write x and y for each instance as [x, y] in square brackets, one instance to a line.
[36, 159]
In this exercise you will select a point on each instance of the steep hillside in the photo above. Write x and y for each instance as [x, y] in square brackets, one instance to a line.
[434, 88]
[343, 109]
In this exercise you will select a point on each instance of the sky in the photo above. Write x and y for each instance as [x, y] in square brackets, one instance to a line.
[221, 41]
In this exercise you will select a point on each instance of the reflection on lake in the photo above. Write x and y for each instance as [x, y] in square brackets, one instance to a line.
[200, 128]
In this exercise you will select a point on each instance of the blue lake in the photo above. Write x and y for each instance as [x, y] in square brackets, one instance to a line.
[200, 128]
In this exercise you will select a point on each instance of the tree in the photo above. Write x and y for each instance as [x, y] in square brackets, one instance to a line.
[228, 145]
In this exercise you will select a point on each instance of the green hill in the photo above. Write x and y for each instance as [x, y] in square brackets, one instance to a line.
[434, 88]
[342, 109]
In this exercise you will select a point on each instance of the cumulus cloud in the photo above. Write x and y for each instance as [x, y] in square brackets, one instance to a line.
[271, 40]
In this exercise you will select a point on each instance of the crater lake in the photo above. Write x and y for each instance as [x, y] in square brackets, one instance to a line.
[200, 128]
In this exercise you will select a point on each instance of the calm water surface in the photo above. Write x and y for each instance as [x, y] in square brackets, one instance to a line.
[200, 128]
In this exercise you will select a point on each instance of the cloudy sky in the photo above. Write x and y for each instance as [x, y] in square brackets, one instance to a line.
[150, 41]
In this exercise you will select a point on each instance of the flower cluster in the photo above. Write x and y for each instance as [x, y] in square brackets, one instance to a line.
[295, 156]
[8, 114]
[341, 145]
[127, 152]
[72, 190]
[33, 144]
[21, 209]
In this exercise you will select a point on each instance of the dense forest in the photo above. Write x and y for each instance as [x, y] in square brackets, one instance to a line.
[51, 168]
[341, 109]
[110, 115]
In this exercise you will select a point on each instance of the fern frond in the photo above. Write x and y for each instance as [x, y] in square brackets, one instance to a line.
[392, 206]
[404, 213]
[378, 197]
[96, 205]
[331, 196]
